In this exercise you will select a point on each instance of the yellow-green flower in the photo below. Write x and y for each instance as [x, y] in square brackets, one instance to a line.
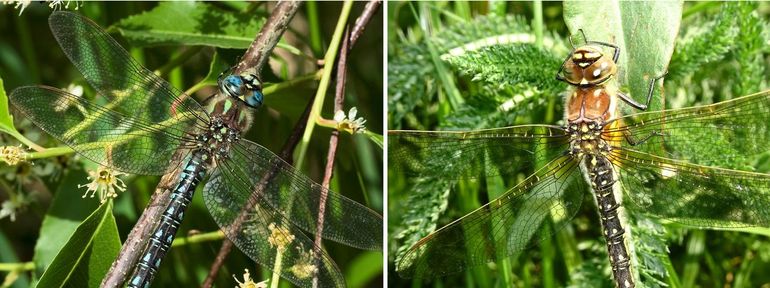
[304, 267]
[105, 181]
[13, 155]
[280, 237]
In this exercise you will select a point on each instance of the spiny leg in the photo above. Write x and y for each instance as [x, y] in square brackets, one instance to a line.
[650, 90]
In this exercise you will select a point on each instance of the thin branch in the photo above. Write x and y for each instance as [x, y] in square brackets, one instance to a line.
[339, 100]
[361, 21]
[259, 51]
[129, 254]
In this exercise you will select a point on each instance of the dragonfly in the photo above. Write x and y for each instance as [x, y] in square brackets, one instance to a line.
[658, 163]
[141, 124]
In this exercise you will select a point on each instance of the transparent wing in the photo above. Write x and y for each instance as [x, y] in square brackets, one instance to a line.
[103, 134]
[265, 234]
[500, 151]
[693, 194]
[501, 227]
[128, 88]
[286, 190]
[728, 133]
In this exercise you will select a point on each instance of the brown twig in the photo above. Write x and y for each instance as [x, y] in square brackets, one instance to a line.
[339, 101]
[255, 57]
[132, 247]
[268, 36]
[360, 24]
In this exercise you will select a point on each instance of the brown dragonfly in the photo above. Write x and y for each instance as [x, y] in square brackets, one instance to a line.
[641, 163]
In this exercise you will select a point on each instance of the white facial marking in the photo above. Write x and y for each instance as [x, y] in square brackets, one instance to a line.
[604, 65]
[597, 72]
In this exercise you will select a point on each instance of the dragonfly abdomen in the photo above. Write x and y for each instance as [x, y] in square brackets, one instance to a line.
[163, 236]
[603, 179]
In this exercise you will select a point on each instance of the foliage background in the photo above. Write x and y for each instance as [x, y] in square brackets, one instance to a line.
[721, 53]
[29, 55]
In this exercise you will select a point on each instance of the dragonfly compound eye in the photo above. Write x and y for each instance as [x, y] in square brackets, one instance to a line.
[587, 66]
[232, 86]
[251, 83]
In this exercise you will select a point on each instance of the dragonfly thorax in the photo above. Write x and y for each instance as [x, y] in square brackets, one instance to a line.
[585, 139]
[218, 139]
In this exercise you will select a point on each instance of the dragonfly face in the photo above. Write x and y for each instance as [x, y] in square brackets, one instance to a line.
[245, 87]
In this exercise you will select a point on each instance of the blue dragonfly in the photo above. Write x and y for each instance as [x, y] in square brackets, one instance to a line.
[140, 124]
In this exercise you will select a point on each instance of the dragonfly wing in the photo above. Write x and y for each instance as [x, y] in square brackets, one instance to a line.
[102, 134]
[722, 134]
[128, 87]
[265, 234]
[291, 193]
[500, 151]
[503, 226]
[692, 194]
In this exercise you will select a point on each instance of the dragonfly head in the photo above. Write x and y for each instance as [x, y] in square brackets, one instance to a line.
[587, 66]
[245, 87]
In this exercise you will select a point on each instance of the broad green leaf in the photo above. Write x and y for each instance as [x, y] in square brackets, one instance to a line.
[87, 256]
[68, 209]
[190, 23]
[6, 120]
[643, 30]
[371, 262]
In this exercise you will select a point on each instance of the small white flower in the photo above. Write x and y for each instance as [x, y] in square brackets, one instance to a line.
[248, 282]
[19, 3]
[17, 201]
[8, 208]
[105, 181]
[350, 123]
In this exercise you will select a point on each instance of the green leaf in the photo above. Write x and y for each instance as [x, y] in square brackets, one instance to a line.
[190, 23]
[87, 256]
[6, 120]
[68, 209]
[364, 269]
[643, 30]
[376, 138]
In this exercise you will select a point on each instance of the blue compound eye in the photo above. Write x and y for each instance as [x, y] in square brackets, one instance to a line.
[255, 100]
[232, 86]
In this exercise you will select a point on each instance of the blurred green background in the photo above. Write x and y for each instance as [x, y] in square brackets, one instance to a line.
[29, 55]
[721, 52]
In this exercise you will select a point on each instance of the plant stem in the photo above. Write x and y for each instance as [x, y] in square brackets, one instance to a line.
[25, 141]
[537, 22]
[23, 266]
[331, 55]
[51, 152]
[199, 238]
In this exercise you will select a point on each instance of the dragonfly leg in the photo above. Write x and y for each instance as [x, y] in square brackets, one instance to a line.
[650, 90]
[633, 142]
